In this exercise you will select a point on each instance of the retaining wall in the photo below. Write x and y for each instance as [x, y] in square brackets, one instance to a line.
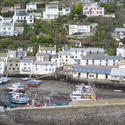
[99, 114]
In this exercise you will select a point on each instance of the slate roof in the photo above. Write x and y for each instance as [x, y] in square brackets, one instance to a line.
[118, 72]
[92, 69]
[43, 63]
[119, 29]
[101, 57]
[21, 12]
[27, 60]
[88, 49]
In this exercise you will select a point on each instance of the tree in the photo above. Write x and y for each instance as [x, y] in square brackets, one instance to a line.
[78, 8]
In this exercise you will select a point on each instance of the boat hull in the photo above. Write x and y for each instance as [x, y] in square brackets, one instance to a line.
[32, 85]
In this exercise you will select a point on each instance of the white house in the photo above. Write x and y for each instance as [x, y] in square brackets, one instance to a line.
[65, 11]
[18, 30]
[93, 10]
[21, 15]
[121, 64]
[31, 6]
[42, 68]
[81, 28]
[91, 72]
[6, 27]
[77, 53]
[51, 11]
[47, 50]
[12, 54]
[30, 18]
[43, 57]
[120, 51]
[118, 34]
[2, 66]
[117, 74]
[100, 60]
[37, 15]
[65, 58]
[26, 66]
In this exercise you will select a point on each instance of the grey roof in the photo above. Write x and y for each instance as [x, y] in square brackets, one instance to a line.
[92, 69]
[43, 63]
[21, 12]
[52, 6]
[18, 30]
[118, 72]
[27, 60]
[119, 29]
[101, 57]
[88, 49]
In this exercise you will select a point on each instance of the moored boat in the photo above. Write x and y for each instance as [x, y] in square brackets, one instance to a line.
[4, 80]
[33, 83]
[83, 92]
[16, 87]
[19, 98]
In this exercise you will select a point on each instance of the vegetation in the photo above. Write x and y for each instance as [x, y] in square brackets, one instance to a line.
[54, 32]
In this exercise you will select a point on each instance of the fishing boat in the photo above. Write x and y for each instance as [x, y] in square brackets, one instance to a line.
[16, 87]
[19, 98]
[33, 83]
[25, 79]
[4, 80]
[83, 92]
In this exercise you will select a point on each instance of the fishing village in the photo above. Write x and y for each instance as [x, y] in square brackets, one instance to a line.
[62, 62]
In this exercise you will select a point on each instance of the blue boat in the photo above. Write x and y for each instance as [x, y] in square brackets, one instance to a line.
[19, 98]
[33, 83]
[4, 80]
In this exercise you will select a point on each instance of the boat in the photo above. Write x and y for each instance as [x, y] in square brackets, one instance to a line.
[25, 79]
[4, 80]
[19, 98]
[83, 92]
[33, 83]
[16, 87]
[117, 90]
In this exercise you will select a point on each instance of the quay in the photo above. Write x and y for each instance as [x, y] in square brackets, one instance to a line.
[101, 112]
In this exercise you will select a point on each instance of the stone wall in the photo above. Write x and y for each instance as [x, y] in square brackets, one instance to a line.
[99, 114]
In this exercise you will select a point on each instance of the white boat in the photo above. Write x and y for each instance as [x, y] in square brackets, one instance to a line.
[4, 80]
[83, 92]
[25, 79]
[16, 87]
[117, 90]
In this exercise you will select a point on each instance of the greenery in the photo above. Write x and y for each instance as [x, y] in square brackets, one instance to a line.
[109, 7]
[54, 32]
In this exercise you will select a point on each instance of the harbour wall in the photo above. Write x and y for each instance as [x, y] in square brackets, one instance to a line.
[95, 114]
[68, 78]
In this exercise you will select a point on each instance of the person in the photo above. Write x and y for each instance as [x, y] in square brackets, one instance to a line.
[5, 106]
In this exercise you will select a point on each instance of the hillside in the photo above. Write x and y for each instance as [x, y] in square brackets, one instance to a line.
[49, 33]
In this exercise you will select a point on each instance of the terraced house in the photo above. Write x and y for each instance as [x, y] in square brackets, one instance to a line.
[93, 10]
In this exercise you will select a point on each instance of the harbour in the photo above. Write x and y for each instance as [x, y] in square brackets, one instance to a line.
[54, 92]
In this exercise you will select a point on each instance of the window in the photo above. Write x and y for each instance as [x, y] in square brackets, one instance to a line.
[76, 51]
[16, 64]
[13, 68]
[30, 20]
[10, 64]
